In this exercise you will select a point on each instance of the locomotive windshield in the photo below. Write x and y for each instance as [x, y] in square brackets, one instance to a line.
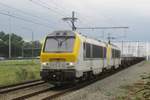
[58, 44]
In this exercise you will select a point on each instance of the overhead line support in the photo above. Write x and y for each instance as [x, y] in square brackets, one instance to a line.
[72, 20]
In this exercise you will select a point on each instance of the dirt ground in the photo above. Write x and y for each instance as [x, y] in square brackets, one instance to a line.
[110, 87]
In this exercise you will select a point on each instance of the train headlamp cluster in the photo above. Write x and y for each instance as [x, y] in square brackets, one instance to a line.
[44, 64]
[70, 64]
[67, 64]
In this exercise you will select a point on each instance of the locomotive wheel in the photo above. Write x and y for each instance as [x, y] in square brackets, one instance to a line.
[113, 68]
[104, 70]
[84, 77]
[90, 75]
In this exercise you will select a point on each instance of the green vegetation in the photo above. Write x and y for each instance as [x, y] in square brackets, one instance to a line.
[139, 90]
[16, 71]
[19, 47]
[131, 92]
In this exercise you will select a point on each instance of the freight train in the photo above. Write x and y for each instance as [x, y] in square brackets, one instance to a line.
[68, 56]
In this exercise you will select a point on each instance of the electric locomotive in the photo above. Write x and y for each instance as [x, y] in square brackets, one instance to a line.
[68, 56]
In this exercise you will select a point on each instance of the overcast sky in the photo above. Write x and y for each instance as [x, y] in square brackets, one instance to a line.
[44, 16]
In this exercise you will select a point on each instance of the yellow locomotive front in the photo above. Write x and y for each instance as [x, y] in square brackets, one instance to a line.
[58, 56]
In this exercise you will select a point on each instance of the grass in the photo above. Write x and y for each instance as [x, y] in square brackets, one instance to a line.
[137, 91]
[131, 92]
[16, 71]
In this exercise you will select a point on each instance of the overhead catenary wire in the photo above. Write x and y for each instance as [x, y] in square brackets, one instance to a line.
[44, 4]
[72, 19]
[23, 12]
[105, 28]
[46, 7]
[80, 17]
[56, 7]
[68, 10]
[120, 27]
[23, 19]
[84, 20]
[60, 6]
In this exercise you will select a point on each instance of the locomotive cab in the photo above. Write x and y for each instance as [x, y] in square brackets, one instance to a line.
[58, 56]
[68, 56]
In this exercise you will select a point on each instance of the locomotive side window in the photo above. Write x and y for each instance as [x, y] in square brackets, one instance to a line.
[88, 50]
[97, 51]
[93, 51]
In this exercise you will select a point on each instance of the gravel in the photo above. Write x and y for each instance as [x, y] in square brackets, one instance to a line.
[110, 87]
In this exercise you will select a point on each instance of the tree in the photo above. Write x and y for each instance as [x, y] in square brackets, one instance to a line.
[16, 44]
[28, 47]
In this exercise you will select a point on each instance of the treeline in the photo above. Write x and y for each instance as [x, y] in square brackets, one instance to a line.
[19, 47]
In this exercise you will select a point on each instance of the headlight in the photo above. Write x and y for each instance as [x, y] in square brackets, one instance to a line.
[44, 64]
[70, 64]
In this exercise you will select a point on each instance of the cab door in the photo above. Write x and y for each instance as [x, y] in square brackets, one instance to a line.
[109, 56]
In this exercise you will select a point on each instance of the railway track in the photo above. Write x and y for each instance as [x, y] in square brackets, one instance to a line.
[54, 92]
[51, 92]
[18, 86]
